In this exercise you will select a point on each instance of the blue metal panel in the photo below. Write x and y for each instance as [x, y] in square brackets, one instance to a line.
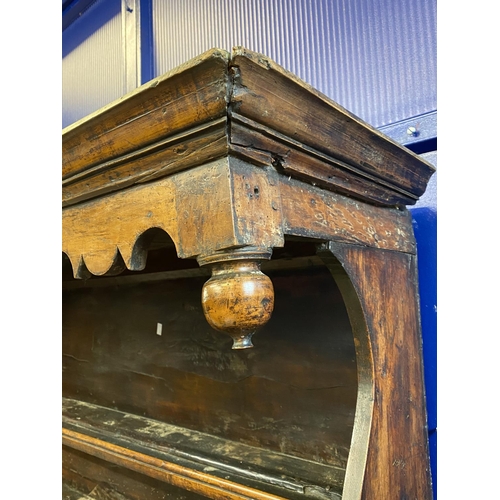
[425, 227]
[416, 133]
[433, 456]
[377, 58]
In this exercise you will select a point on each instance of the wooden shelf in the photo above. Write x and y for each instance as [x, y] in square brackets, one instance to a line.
[180, 455]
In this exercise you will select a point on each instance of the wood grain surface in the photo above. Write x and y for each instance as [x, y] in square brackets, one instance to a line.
[186, 97]
[227, 203]
[226, 159]
[200, 453]
[294, 393]
[245, 105]
[266, 93]
[183, 477]
[389, 356]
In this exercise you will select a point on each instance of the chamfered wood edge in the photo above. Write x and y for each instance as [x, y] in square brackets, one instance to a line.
[108, 434]
[358, 454]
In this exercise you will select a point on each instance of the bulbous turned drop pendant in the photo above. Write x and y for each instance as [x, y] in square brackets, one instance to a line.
[238, 299]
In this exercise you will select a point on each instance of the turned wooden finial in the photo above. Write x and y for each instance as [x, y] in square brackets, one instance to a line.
[238, 298]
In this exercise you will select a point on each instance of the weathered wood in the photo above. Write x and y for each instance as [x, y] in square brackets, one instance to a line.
[311, 212]
[294, 394]
[265, 146]
[227, 160]
[242, 104]
[183, 151]
[86, 477]
[224, 204]
[99, 231]
[183, 477]
[199, 453]
[186, 97]
[266, 93]
[356, 465]
[389, 356]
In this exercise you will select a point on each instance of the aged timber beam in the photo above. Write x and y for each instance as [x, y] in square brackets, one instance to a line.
[313, 138]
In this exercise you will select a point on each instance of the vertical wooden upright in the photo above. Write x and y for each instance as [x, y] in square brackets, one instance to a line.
[389, 364]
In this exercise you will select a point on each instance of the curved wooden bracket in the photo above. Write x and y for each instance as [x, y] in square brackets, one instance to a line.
[389, 449]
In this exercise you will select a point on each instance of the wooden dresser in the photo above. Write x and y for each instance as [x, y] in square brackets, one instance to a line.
[222, 199]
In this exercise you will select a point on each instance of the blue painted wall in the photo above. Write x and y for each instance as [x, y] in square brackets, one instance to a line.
[425, 227]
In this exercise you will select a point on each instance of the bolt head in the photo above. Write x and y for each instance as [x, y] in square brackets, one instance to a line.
[412, 131]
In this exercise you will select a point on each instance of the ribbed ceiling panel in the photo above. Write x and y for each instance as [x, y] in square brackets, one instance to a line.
[92, 65]
[377, 58]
